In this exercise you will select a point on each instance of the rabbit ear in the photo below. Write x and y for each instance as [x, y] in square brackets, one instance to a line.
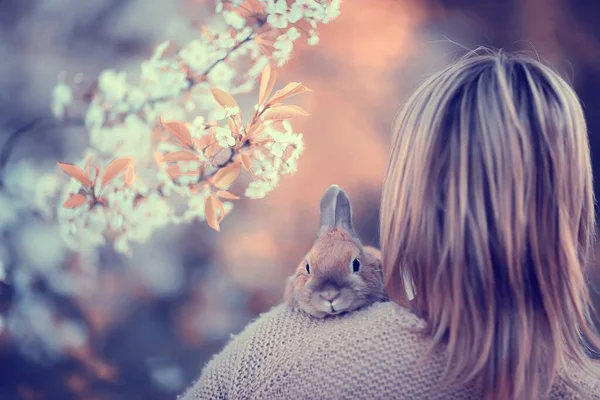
[343, 213]
[336, 211]
[327, 208]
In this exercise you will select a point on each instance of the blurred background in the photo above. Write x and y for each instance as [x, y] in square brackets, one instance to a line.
[150, 322]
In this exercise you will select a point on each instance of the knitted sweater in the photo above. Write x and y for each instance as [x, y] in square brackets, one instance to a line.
[371, 353]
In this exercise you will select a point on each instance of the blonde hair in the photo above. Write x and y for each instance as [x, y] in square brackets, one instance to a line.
[488, 217]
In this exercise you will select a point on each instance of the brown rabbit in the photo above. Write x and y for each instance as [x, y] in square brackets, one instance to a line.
[338, 274]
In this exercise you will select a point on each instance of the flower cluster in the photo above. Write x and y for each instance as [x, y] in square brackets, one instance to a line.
[166, 148]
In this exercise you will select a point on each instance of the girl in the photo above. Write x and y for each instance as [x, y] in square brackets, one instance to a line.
[487, 215]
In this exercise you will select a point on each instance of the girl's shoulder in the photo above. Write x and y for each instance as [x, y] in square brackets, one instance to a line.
[383, 316]
[381, 329]
[290, 354]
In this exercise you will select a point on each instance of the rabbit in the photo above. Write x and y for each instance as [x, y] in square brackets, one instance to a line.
[338, 274]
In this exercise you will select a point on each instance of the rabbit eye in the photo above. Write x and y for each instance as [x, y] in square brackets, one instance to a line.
[355, 265]
[307, 268]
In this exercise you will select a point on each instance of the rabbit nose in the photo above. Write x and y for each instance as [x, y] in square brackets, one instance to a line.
[330, 295]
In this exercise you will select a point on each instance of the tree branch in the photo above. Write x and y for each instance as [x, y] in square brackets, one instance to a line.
[10, 143]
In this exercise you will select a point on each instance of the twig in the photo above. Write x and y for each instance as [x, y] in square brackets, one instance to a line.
[225, 163]
[226, 56]
[13, 138]
[9, 144]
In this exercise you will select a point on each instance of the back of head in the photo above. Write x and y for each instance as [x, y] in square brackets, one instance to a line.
[488, 212]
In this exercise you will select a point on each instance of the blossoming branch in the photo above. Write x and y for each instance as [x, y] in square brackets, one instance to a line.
[167, 148]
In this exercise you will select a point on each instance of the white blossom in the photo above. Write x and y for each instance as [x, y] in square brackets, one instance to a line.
[162, 81]
[62, 97]
[197, 55]
[313, 40]
[225, 112]
[258, 66]
[159, 50]
[113, 85]
[333, 11]
[221, 75]
[137, 97]
[224, 137]
[284, 46]
[277, 11]
[95, 116]
[198, 122]
[233, 19]
[277, 149]
[293, 34]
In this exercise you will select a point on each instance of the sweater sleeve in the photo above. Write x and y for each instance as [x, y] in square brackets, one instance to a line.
[218, 376]
[213, 382]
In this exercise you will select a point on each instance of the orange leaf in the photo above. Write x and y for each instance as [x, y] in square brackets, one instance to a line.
[75, 172]
[255, 129]
[115, 167]
[267, 82]
[210, 212]
[226, 195]
[87, 167]
[189, 74]
[130, 174]
[212, 131]
[246, 162]
[284, 112]
[231, 124]
[226, 175]
[211, 150]
[207, 34]
[174, 171]
[262, 142]
[75, 201]
[179, 130]
[202, 143]
[158, 157]
[182, 155]
[223, 98]
[289, 90]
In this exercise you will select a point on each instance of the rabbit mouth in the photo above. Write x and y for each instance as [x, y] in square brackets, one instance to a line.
[332, 304]
[330, 309]
[335, 311]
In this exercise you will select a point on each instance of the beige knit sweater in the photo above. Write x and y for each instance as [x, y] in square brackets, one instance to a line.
[368, 354]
